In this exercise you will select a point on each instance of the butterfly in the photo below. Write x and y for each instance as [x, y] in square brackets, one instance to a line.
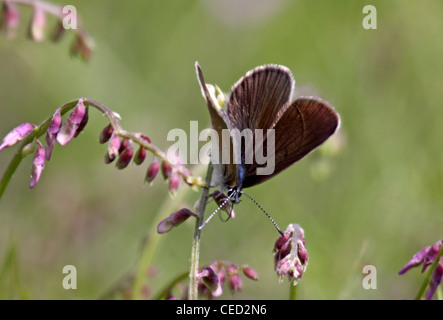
[263, 99]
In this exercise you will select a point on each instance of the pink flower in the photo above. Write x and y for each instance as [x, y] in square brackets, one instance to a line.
[290, 254]
[426, 256]
[38, 164]
[69, 128]
[140, 156]
[114, 147]
[10, 19]
[38, 24]
[106, 134]
[235, 283]
[174, 181]
[125, 155]
[51, 133]
[431, 255]
[435, 279]
[152, 170]
[250, 273]
[211, 281]
[174, 220]
[17, 134]
[83, 123]
[166, 170]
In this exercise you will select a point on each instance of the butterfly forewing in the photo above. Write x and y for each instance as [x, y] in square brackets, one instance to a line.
[303, 126]
[224, 171]
[257, 98]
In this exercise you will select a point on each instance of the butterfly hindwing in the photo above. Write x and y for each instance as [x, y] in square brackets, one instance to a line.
[303, 126]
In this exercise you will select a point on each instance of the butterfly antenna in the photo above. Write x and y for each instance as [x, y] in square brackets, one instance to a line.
[264, 211]
[217, 210]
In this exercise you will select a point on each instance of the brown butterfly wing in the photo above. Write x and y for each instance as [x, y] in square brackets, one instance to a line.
[300, 128]
[257, 98]
[223, 173]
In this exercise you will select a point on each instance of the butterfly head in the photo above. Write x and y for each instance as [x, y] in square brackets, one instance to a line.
[234, 194]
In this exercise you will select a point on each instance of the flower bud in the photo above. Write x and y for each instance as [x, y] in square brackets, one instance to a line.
[69, 128]
[290, 255]
[302, 253]
[431, 255]
[83, 46]
[10, 20]
[114, 146]
[38, 24]
[125, 156]
[416, 260]
[435, 279]
[152, 170]
[143, 137]
[83, 123]
[125, 143]
[174, 220]
[17, 134]
[211, 281]
[59, 32]
[108, 158]
[140, 156]
[174, 181]
[106, 134]
[231, 270]
[250, 273]
[235, 283]
[166, 170]
[38, 164]
[51, 133]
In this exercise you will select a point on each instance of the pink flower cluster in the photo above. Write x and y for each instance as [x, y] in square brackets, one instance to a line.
[57, 131]
[426, 257]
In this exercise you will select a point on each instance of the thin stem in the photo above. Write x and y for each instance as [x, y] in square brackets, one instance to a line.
[425, 283]
[292, 292]
[195, 254]
[163, 293]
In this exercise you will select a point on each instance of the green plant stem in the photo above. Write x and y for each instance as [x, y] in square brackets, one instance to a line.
[427, 279]
[195, 253]
[292, 292]
[163, 293]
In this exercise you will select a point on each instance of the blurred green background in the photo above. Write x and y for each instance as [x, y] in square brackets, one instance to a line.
[376, 201]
